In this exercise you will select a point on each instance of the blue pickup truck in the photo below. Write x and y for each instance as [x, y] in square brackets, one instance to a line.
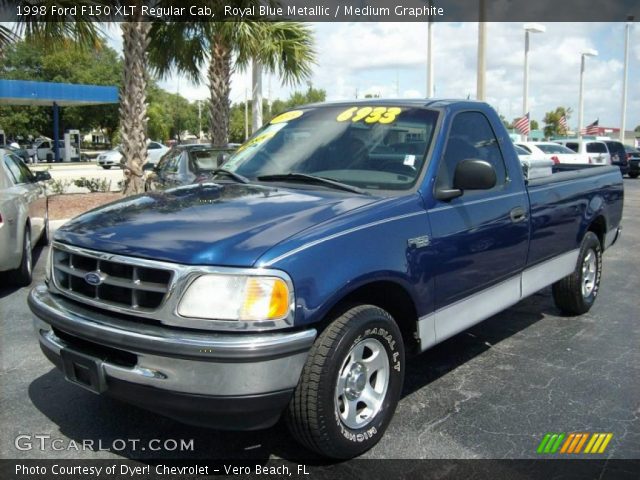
[338, 240]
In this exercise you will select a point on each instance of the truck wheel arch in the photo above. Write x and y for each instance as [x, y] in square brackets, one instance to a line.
[598, 226]
[389, 295]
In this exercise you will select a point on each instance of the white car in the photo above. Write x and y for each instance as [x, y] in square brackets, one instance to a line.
[596, 151]
[533, 166]
[155, 151]
[553, 151]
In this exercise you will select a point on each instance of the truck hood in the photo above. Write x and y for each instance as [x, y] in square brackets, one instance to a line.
[226, 224]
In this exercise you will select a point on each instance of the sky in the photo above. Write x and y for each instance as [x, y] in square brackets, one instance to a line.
[390, 59]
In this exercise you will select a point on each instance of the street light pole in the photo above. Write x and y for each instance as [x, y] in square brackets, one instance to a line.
[583, 55]
[430, 59]
[623, 119]
[528, 28]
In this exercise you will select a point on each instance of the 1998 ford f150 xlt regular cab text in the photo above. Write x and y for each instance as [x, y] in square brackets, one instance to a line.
[338, 240]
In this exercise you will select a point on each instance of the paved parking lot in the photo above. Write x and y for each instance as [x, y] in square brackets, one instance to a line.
[490, 392]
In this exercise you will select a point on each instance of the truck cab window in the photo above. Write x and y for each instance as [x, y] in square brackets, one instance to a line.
[471, 136]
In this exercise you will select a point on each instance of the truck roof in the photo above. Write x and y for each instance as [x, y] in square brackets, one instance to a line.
[403, 102]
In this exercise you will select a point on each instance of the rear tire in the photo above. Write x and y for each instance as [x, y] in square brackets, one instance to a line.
[24, 273]
[106, 167]
[576, 293]
[633, 175]
[350, 385]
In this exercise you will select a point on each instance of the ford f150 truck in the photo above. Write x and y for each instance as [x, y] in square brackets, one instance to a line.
[335, 242]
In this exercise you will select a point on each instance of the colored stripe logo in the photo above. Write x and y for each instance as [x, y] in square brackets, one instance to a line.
[574, 443]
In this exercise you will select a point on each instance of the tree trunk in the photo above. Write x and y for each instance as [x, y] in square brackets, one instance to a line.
[220, 89]
[256, 98]
[133, 104]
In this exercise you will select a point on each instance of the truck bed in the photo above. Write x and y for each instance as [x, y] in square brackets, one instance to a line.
[565, 203]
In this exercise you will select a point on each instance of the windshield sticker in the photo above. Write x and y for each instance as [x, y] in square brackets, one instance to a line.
[268, 133]
[369, 114]
[409, 160]
[287, 116]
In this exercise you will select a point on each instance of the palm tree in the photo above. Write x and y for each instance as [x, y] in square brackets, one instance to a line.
[50, 30]
[281, 47]
[133, 103]
[288, 50]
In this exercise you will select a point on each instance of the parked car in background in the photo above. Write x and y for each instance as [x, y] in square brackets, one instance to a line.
[113, 158]
[553, 151]
[608, 152]
[43, 149]
[533, 166]
[186, 164]
[633, 157]
[618, 155]
[27, 155]
[24, 219]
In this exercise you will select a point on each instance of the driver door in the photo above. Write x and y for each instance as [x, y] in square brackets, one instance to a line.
[480, 238]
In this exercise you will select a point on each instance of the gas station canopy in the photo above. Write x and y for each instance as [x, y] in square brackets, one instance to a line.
[21, 92]
[26, 92]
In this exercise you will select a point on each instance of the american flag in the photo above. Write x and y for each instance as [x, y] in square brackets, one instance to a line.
[522, 125]
[563, 123]
[591, 129]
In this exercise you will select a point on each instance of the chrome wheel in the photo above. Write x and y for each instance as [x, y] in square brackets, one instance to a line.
[589, 273]
[362, 383]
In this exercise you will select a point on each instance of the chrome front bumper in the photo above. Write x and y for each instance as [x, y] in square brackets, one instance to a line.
[191, 362]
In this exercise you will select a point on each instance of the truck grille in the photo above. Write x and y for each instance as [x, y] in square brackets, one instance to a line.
[112, 283]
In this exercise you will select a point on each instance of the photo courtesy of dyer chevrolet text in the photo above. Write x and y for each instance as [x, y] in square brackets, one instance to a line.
[133, 471]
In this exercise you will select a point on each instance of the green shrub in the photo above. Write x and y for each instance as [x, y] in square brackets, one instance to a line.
[93, 184]
[58, 187]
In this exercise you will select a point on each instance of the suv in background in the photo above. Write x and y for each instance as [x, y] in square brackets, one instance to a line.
[633, 157]
[618, 155]
[600, 152]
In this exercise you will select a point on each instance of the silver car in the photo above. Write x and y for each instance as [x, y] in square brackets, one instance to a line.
[24, 218]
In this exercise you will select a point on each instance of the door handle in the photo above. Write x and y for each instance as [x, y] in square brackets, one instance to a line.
[518, 214]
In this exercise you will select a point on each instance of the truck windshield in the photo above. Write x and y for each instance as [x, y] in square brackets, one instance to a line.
[370, 147]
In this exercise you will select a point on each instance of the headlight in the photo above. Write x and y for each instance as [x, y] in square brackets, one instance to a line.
[236, 297]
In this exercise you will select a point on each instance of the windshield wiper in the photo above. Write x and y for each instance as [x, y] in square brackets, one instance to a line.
[237, 177]
[305, 178]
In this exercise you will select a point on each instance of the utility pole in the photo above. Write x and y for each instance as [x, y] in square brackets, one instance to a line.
[246, 115]
[430, 75]
[623, 119]
[482, 63]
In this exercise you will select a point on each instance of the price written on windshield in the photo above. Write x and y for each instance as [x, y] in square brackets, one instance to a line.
[369, 114]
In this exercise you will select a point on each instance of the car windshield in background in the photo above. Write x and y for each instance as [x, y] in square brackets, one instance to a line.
[371, 147]
[547, 148]
[204, 160]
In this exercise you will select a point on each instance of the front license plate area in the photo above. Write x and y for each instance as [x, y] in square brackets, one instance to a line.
[83, 370]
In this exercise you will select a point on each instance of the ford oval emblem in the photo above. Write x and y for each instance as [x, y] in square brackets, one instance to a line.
[93, 278]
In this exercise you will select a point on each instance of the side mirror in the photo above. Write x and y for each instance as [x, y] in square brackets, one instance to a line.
[470, 174]
[42, 176]
[222, 157]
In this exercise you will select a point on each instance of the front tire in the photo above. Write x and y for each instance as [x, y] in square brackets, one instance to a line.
[350, 385]
[24, 273]
[576, 293]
